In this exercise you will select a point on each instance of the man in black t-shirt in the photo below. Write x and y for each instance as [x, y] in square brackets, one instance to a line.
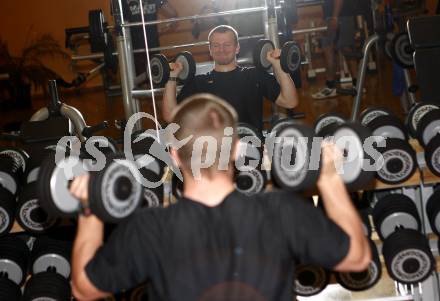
[151, 9]
[216, 243]
[244, 88]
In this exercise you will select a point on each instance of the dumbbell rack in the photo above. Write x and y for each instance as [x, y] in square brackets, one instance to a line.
[419, 187]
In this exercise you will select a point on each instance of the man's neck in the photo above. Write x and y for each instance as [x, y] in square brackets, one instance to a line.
[225, 68]
[210, 192]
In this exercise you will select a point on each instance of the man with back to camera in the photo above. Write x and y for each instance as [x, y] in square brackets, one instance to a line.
[242, 87]
[216, 243]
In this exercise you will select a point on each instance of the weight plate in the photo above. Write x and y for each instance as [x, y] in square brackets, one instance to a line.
[47, 286]
[359, 281]
[32, 176]
[259, 54]
[97, 31]
[371, 113]
[160, 69]
[408, 257]
[432, 155]
[310, 280]
[393, 211]
[293, 158]
[12, 269]
[433, 210]
[402, 51]
[52, 261]
[9, 290]
[14, 258]
[327, 119]
[19, 156]
[7, 209]
[279, 124]
[152, 197]
[388, 126]
[290, 58]
[246, 130]
[114, 193]
[189, 66]
[398, 219]
[400, 162]
[53, 185]
[428, 127]
[29, 214]
[349, 138]
[250, 182]
[415, 115]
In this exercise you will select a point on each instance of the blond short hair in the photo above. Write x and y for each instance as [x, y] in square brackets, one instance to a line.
[203, 115]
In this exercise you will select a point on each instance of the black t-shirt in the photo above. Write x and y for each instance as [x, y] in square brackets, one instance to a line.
[244, 88]
[242, 249]
[133, 13]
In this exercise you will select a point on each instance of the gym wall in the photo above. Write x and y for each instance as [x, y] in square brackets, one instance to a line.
[21, 21]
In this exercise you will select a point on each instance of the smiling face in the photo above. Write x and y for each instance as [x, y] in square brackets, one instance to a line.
[223, 48]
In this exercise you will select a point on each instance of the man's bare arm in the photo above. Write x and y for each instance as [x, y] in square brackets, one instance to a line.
[340, 209]
[169, 101]
[89, 238]
[288, 97]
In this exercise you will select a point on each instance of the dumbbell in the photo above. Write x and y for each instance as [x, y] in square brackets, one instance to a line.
[406, 251]
[7, 210]
[433, 210]
[50, 268]
[309, 280]
[408, 256]
[290, 58]
[13, 163]
[9, 290]
[395, 211]
[160, 68]
[401, 50]
[151, 168]
[29, 214]
[416, 113]
[327, 123]
[399, 157]
[114, 193]
[279, 124]
[360, 281]
[14, 261]
[383, 123]
[249, 179]
[428, 134]
[296, 156]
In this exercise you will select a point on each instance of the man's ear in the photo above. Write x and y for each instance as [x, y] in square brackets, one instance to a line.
[235, 149]
[210, 53]
[175, 156]
[237, 50]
